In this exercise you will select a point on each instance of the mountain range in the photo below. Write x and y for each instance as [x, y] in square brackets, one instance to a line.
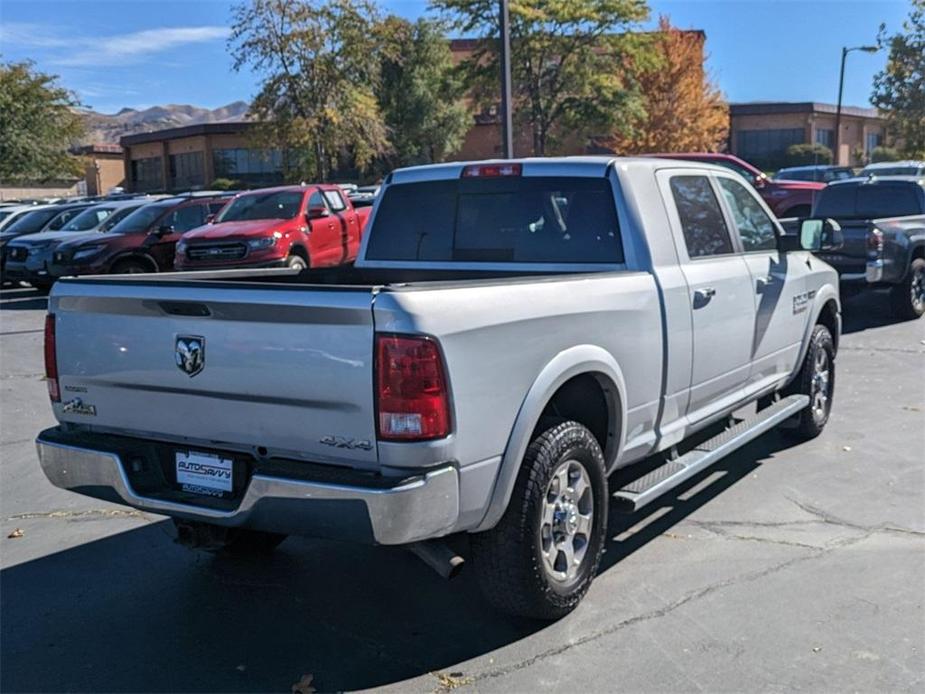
[108, 128]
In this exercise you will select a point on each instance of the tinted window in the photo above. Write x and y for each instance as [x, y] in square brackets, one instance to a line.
[279, 205]
[515, 219]
[755, 227]
[116, 217]
[185, 218]
[866, 201]
[705, 231]
[140, 219]
[88, 219]
[316, 200]
[32, 222]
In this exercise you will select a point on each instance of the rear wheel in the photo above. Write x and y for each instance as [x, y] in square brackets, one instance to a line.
[130, 267]
[817, 380]
[908, 297]
[540, 559]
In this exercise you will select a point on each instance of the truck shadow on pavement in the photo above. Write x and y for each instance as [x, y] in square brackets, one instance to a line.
[136, 612]
[870, 309]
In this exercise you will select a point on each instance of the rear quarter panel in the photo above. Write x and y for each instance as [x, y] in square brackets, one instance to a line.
[500, 341]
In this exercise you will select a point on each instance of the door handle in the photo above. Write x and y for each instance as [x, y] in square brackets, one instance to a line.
[703, 295]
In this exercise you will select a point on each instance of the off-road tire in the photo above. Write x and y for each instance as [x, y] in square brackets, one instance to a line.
[905, 305]
[811, 421]
[508, 558]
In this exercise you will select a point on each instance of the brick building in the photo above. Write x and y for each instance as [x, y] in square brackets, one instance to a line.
[192, 157]
[760, 132]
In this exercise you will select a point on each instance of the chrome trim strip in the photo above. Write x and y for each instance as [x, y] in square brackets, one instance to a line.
[425, 508]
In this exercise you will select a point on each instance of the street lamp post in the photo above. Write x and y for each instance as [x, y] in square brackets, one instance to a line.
[507, 135]
[841, 87]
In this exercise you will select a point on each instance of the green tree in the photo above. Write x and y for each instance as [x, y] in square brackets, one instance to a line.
[568, 62]
[420, 94]
[899, 89]
[320, 70]
[38, 123]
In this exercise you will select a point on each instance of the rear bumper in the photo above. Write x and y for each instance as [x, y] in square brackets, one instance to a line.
[417, 508]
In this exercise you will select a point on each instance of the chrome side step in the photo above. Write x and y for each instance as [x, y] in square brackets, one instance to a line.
[653, 484]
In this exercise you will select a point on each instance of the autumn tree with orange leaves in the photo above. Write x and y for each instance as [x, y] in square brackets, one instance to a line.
[684, 110]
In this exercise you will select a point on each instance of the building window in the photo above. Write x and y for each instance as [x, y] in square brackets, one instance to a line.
[253, 166]
[146, 174]
[825, 136]
[767, 148]
[186, 171]
[872, 141]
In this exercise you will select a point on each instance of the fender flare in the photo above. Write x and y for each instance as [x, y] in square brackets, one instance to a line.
[575, 361]
[134, 254]
[825, 294]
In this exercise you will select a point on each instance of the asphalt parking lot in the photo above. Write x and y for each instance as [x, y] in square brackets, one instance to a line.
[784, 567]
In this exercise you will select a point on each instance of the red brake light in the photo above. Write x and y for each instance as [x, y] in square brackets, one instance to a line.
[491, 170]
[412, 403]
[51, 359]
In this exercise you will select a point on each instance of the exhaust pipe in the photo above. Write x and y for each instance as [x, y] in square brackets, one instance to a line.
[438, 556]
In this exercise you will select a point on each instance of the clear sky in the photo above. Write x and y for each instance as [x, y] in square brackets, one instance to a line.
[137, 53]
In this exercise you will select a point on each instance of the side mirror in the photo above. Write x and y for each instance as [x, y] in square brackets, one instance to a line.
[317, 213]
[163, 230]
[760, 180]
[210, 218]
[814, 235]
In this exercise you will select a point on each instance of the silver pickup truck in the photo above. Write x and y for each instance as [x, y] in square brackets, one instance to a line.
[511, 334]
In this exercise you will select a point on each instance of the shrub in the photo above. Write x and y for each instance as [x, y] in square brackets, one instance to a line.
[806, 155]
[225, 184]
[884, 154]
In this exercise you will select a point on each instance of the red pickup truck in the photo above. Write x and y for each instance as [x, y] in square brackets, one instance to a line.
[785, 198]
[290, 226]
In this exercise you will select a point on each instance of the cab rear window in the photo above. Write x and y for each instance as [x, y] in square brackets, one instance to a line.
[505, 219]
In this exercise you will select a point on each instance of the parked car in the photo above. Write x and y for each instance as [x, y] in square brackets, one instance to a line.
[894, 168]
[785, 198]
[820, 174]
[38, 218]
[883, 223]
[143, 241]
[10, 213]
[502, 345]
[28, 257]
[291, 226]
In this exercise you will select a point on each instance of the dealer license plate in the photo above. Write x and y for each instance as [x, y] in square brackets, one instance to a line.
[204, 473]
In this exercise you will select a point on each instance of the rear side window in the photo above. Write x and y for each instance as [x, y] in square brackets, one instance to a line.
[702, 222]
[509, 219]
[335, 201]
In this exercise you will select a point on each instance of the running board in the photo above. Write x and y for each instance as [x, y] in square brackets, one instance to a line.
[662, 479]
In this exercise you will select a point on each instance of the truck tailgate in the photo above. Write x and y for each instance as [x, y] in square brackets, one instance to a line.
[285, 369]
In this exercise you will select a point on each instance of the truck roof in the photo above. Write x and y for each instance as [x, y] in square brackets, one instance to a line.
[590, 165]
[874, 180]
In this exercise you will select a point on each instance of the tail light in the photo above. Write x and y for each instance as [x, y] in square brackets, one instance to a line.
[491, 170]
[51, 359]
[874, 242]
[412, 402]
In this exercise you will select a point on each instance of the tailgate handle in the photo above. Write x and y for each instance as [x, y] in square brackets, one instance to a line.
[185, 308]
